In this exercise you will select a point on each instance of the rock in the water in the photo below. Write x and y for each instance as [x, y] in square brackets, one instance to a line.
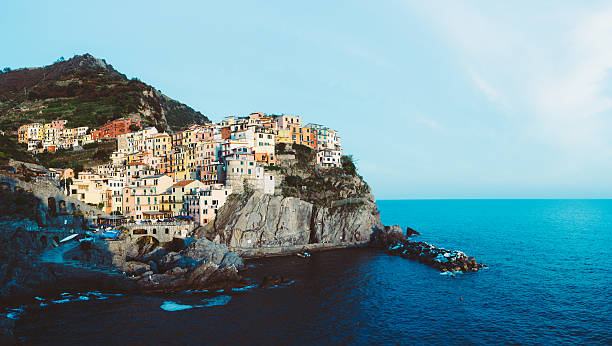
[135, 268]
[444, 260]
[270, 281]
[410, 232]
[206, 250]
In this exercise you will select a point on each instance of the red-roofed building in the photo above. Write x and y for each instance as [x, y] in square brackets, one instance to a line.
[114, 128]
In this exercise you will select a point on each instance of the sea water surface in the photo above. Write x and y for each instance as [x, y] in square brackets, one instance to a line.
[549, 281]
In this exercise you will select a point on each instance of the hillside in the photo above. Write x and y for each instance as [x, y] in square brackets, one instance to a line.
[86, 91]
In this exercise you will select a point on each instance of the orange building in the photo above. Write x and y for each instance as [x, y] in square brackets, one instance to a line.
[114, 128]
[226, 132]
[303, 135]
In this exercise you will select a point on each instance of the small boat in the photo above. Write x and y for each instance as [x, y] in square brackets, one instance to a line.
[303, 254]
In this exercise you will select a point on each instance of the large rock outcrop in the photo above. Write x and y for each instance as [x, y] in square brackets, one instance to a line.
[166, 267]
[260, 220]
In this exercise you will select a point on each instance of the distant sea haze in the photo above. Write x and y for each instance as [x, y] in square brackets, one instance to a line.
[547, 283]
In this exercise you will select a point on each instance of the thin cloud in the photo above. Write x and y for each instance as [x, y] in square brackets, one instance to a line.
[432, 124]
[489, 91]
[553, 66]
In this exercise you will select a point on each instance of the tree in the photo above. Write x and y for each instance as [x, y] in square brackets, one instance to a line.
[134, 128]
[66, 182]
[6, 69]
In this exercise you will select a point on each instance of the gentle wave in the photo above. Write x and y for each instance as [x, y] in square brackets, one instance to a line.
[217, 301]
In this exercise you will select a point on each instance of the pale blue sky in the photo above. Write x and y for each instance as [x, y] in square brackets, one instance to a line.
[466, 99]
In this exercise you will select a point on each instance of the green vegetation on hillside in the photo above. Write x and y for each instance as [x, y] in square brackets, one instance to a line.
[18, 204]
[9, 148]
[317, 185]
[91, 155]
[87, 92]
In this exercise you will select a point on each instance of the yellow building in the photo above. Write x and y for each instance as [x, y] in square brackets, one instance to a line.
[168, 207]
[31, 132]
[162, 144]
[283, 136]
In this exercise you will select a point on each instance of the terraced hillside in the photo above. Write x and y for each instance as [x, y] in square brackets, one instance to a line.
[86, 91]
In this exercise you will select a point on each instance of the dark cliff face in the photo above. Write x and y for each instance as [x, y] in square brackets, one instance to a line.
[86, 91]
[262, 220]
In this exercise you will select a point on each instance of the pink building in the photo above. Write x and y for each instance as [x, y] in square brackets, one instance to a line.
[58, 124]
[286, 122]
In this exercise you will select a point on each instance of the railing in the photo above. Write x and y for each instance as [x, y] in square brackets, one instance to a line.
[173, 223]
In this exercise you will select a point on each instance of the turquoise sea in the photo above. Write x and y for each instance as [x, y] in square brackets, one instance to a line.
[549, 281]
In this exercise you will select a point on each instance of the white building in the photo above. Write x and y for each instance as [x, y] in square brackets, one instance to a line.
[204, 204]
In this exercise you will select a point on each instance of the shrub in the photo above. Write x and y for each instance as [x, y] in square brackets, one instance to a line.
[294, 180]
[304, 155]
[281, 148]
[348, 166]
[274, 168]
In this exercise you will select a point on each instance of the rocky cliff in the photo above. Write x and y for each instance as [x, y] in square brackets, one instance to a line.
[260, 220]
[312, 208]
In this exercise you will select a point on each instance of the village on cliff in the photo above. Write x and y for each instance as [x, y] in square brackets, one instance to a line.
[188, 174]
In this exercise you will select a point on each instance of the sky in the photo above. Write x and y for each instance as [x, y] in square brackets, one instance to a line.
[434, 99]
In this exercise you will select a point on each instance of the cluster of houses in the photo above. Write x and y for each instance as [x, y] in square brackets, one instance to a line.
[51, 136]
[191, 173]
[55, 135]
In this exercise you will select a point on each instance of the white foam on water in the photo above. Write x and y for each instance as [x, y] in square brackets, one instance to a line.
[172, 306]
[245, 288]
[217, 301]
[43, 304]
[283, 284]
[15, 313]
[83, 298]
[452, 272]
[219, 291]
[101, 297]
[66, 294]
[39, 298]
[196, 291]
[61, 301]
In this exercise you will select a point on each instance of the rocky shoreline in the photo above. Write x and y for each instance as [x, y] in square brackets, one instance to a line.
[395, 242]
[195, 264]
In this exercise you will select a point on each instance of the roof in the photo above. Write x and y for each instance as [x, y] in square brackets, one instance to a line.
[183, 183]
[154, 176]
